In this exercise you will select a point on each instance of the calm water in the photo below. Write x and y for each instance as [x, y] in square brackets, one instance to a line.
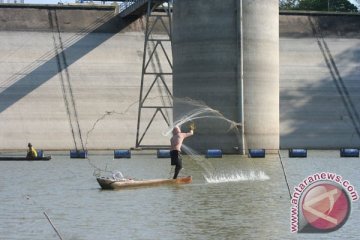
[67, 191]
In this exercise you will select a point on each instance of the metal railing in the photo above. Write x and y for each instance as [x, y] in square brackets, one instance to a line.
[128, 6]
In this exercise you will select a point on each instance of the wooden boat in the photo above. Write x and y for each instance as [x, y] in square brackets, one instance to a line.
[111, 183]
[14, 158]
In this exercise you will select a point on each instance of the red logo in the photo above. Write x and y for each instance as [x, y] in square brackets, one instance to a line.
[325, 207]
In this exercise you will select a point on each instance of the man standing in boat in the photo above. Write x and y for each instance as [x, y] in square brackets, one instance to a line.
[176, 142]
[32, 153]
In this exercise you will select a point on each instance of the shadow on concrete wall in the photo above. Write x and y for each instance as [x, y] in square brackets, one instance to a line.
[76, 47]
[329, 118]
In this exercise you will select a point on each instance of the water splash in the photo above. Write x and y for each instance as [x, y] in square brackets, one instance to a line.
[212, 175]
[237, 177]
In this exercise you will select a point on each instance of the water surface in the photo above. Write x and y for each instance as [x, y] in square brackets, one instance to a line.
[67, 191]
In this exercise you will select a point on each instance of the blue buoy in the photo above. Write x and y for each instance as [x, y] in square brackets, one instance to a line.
[349, 152]
[122, 153]
[214, 153]
[78, 153]
[298, 153]
[163, 153]
[257, 153]
[40, 153]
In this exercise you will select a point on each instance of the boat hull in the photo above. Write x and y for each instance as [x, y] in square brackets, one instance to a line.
[8, 158]
[109, 183]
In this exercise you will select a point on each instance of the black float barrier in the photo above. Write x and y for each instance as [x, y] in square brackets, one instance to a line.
[214, 153]
[297, 153]
[163, 153]
[122, 153]
[257, 153]
[349, 152]
[78, 153]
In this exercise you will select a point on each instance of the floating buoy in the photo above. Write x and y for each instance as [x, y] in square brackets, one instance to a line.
[298, 153]
[349, 152]
[257, 153]
[163, 153]
[214, 153]
[122, 153]
[78, 153]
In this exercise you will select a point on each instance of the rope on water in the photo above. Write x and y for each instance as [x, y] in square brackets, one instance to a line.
[57, 232]
[282, 166]
[32, 201]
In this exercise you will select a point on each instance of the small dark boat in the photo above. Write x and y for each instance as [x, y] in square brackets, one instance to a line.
[14, 158]
[111, 183]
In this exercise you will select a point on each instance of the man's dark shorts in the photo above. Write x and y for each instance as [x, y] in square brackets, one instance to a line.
[176, 158]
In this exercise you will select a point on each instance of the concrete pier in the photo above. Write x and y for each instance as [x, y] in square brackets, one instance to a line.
[205, 58]
[261, 74]
[208, 44]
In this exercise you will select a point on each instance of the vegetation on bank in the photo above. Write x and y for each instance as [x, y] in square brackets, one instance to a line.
[319, 5]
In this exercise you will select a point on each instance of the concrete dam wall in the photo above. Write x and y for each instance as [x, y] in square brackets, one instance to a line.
[70, 78]
[319, 80]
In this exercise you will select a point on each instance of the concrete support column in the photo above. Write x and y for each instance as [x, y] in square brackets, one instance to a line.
[206, 45]
[261, 73]
[205, 67]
